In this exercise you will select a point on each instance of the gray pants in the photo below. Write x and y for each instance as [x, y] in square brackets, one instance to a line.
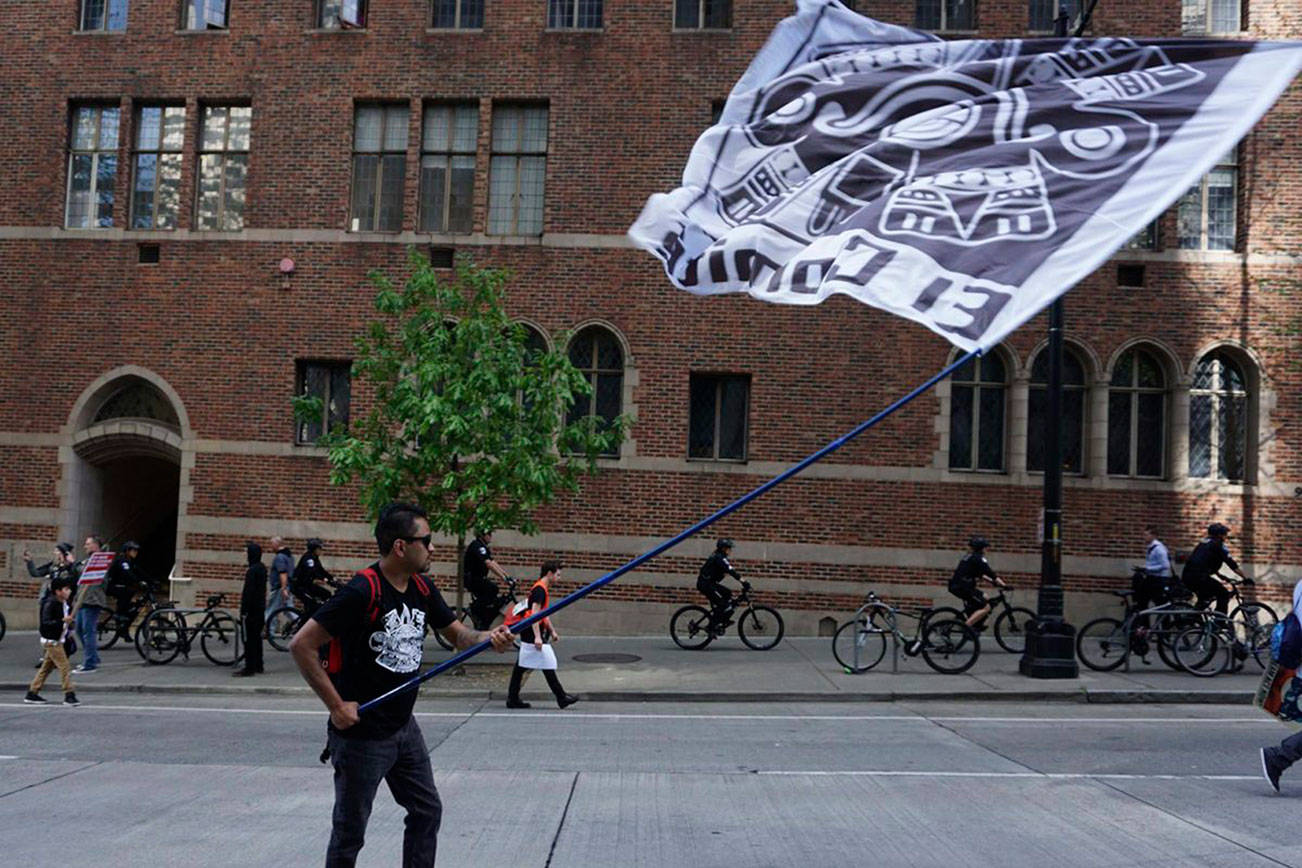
[1290, 749]
[401, 760]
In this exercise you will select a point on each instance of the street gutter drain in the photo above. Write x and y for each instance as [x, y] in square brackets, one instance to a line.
[606, 658]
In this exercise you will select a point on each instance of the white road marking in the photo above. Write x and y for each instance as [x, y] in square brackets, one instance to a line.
[614, 715]
[887, 773]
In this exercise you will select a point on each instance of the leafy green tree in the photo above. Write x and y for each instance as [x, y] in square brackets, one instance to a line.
[464, 417]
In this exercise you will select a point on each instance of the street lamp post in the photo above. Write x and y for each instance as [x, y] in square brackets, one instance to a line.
[1050, 646]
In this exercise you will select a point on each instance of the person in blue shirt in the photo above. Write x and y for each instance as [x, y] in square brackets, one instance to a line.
[1151, 588]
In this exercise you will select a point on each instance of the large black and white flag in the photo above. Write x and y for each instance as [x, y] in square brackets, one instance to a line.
[961, 184]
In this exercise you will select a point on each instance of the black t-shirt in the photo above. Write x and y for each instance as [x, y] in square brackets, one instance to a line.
[476, 562]
[971, 568]
[380, 655]
[538, 597]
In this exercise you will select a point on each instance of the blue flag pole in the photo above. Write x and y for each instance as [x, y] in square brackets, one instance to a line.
[670, 543]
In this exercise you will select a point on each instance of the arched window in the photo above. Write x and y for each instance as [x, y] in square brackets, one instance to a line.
[1218, 418]
[976, 415]
[1073, 413]
[1137, 416]
[598, 356]
[535, 344]
[138, 399]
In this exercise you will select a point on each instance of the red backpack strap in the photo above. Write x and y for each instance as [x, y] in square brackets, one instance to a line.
[373, 604]
[422, 587]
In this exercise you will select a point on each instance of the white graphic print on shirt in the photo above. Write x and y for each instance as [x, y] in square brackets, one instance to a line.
[398, 646]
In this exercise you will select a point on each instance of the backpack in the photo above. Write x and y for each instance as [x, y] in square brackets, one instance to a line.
[1286, 642]
[520, 610]
[332, 653]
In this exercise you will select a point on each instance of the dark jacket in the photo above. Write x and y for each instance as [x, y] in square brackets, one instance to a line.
[252, 598]
[52, 626]
[716, 566]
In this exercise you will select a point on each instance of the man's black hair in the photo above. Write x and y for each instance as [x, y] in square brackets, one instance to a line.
[1151, 528]
[60, 582]
[396, 520]
[548, 567]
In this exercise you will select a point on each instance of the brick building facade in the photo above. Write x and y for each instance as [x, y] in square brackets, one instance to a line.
[165, 162]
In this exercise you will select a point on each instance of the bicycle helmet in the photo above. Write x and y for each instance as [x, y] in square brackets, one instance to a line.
[129, 545]
[314, 543]
[1217, 529]
[724, 543]
[978, 543]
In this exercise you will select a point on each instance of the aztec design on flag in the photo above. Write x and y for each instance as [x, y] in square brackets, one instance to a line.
[963, 184]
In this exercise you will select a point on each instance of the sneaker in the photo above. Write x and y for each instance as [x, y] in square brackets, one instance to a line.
[82, 670]
[71, 699]
[567, 700]
[1272, 766]
[35, 699]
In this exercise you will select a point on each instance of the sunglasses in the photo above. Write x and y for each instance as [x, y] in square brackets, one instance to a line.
[423, 540]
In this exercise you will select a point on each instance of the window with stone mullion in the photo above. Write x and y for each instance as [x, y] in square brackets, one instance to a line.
[945, 14]
[379, 164]
[717, 416]
[103, 15]
[703, 14]
[1218, 420]
[1206, 214]
[332, 383]
[517, 170]
[449, 140]
[458, 14]
[203, 14]
[978, 393]
[223, 167]
[1072, 440]
[92, 166]
[574, 14]
[1137, 417]
[596, 354]
[156, 167]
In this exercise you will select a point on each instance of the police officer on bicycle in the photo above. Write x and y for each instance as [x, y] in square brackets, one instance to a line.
[308, 576]
[710, 582]
[477, 564]
[963, 584]
[1206, 558]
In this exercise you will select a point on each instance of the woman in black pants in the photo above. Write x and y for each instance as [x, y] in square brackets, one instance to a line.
[535, 648]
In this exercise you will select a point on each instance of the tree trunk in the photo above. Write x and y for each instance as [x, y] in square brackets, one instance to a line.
[456, 572]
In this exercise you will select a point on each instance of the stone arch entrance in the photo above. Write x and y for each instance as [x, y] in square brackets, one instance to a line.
[126, 468]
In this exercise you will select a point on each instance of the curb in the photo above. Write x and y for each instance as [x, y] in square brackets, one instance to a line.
[1094, 697]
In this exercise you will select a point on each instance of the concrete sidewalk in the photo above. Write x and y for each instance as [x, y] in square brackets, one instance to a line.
[653, 669]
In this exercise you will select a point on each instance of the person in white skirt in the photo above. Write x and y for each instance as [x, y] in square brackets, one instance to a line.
[535, 643]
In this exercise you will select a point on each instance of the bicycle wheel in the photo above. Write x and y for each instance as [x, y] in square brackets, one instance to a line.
[760, 627]
[1101, 644]
[106, 629]
[1166, 628]
[690, 628]
[858, 645]
[950, 646]
[2, 625]
[1203, 650]
[1010, 629]
[281, 627]
[1253, 624]
[160, 637]
[220, 640]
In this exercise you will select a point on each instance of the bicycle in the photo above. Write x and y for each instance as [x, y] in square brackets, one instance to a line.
[760, 627]
[113, 625]
[284, 621]
[165, 633]
[2, 625]
[506, 597]
[947, 644]
[1009, 625]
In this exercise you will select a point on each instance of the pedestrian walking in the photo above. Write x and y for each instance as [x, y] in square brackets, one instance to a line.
[56, 638]
[535, 643]
[1286, 658]
[251, 610]
[282, 567]
[373, 630]
[91, 600]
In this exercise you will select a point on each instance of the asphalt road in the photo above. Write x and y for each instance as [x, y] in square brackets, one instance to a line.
[230, 780]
